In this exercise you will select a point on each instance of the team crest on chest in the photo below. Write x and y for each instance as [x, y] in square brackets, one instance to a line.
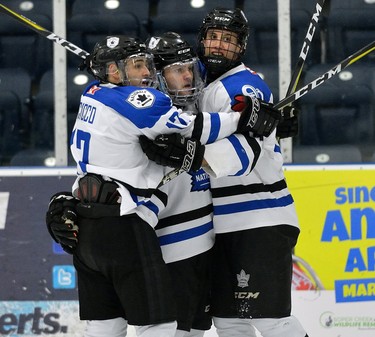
[141, 99]
[199, 181]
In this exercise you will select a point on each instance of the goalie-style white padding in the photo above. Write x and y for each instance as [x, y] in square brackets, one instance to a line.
[159, 330]
[234, 327]
[115, 327]
[279, 327]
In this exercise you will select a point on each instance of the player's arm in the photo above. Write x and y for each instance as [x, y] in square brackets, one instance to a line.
[236, 155]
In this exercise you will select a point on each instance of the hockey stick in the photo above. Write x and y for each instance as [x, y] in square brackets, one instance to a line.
[170, 175]
[74, 49]
[301, 92]
[284, 102]
[44, 32]
[296, 75]
[327, 75]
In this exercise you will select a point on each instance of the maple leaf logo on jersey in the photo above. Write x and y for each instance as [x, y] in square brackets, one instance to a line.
[243, 279]
[141, 99]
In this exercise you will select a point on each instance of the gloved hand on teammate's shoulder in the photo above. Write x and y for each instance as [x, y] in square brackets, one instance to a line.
[61, 220]
[257, 116]
[174, 150]
[288, 126]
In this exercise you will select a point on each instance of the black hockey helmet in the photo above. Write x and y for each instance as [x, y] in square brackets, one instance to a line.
[117, 49]
[233, 20]
[170, 50]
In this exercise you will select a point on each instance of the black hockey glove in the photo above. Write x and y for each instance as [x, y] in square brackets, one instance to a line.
[288, 126]
[258, 117]
[61, 220]
[174, 150]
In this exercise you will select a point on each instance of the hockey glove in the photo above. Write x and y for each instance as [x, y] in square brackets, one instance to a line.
[61, 220]
[174, 150]
[258, 117]
[288, 126]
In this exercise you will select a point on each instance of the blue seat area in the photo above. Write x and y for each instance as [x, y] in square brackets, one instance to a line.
[34, 157]
[181, 7]
[10, 117]
[139, 9]
[84, 30]
[183, 17]
[263, 40]
[340, 111]
[351, 26]
[333, 154]
[21, 46]
[16, 83]
[43, 112]
[270, 74]
[30, 7]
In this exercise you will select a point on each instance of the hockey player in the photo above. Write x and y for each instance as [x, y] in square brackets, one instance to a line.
[185, 228]
[118, 259]
[255, 220]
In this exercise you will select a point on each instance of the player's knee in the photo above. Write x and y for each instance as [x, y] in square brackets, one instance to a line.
[279, 327]
[233, 327]
[161, 330]
[115, 327]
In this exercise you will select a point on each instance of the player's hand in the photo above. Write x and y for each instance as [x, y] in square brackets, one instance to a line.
[258, 117]
[174, 150]
[61, 220]
[288, 126]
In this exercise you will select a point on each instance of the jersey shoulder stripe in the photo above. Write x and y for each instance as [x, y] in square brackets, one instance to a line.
[142, 106]
[245, 81]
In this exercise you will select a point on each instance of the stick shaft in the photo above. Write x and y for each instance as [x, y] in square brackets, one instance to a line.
[296, 75]
[44, 32]
[301, 92]
[326, 76]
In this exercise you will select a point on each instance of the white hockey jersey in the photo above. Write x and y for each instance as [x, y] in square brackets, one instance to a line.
[105, 140]
[247, 191]
[185, 226]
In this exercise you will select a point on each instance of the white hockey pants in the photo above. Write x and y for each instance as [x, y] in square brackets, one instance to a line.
[268, 327]
[117, 327]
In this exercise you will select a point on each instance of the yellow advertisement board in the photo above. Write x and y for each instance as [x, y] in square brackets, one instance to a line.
[336, 211]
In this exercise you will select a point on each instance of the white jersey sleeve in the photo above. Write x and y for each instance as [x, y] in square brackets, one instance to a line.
[105, 137]
[241, 151]
[255, 193]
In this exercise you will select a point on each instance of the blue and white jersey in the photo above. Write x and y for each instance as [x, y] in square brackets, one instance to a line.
[105, 140]
[185, 226]
[247, 191]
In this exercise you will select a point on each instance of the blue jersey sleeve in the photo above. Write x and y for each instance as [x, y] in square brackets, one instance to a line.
[246, 83]
[142, 106]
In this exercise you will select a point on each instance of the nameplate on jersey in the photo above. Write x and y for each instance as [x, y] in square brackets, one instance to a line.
[141, 99]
